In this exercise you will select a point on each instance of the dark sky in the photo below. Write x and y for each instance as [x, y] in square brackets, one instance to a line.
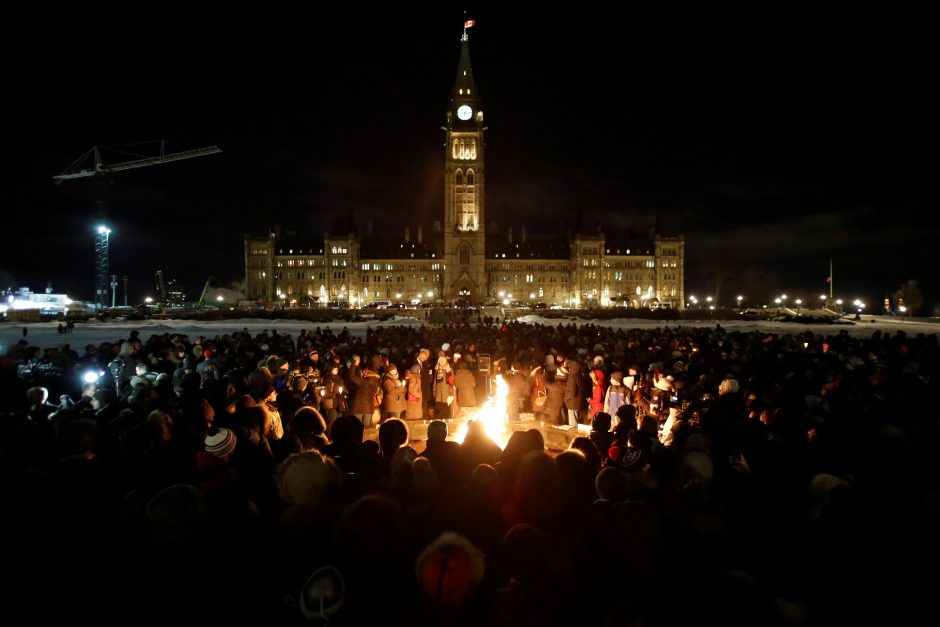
[774, 141]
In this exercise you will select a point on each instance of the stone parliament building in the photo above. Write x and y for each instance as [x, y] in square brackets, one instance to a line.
[461, 261]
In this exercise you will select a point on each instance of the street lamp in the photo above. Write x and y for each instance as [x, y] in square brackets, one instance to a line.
[798, 302]
[740, 298]
[148, 300]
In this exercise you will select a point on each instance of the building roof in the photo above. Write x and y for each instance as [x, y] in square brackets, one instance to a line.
[293, 245]
[533, 247]
[379, 247]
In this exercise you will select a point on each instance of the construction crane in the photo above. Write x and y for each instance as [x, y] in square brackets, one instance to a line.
[162, 287]
[202, 299]
[91, 164]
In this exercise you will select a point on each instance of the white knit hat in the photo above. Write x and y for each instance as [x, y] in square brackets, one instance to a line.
[221, 443]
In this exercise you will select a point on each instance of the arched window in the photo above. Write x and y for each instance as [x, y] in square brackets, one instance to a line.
[456, 154]
[465, 256]
[458, 177]
[469, 177]
[473, 149]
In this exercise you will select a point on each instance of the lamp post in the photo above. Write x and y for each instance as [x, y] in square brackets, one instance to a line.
[740, 298]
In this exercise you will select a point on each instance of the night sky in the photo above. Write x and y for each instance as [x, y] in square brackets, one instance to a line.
[773, 141]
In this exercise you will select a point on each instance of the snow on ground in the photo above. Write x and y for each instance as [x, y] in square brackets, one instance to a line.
[45, 335]
[867, 326]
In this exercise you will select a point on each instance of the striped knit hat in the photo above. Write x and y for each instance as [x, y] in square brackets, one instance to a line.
[220, 442]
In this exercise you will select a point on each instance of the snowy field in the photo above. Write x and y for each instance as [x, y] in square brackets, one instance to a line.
[45, 335]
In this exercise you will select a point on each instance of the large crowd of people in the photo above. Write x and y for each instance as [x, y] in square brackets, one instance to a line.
[740, 478]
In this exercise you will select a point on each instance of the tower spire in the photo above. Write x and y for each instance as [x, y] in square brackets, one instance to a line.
[464, 89]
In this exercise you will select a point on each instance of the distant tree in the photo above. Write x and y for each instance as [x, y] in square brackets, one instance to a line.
[910, 296]
[7, 280]
[720, 271]
[758, 285]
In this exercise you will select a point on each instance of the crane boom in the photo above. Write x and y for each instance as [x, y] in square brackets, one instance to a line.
[162, 286]
[80, 169]
[202, 299]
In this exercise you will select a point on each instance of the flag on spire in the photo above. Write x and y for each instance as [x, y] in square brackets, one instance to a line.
[469, 23]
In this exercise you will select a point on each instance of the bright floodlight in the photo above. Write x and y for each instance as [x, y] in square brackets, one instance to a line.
[822, 297]
[148, 300]
[798, 301]
[740, 298]
[219, 298]
[90, 377]
[430, 294]
[103, 230]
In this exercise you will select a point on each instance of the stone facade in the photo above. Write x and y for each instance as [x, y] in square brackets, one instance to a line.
[467, 259]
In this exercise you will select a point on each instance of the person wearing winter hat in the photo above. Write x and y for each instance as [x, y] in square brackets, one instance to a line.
[323, 594]
[617, 393]
[177, 515]
[413, 393]
[394, 402]
[449, 571]
[443, 389]
[221, 443]
[261, 384]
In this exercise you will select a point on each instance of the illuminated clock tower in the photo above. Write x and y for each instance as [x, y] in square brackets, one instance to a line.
[464, 233]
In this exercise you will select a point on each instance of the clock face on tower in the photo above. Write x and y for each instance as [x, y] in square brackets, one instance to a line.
[464, 112]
